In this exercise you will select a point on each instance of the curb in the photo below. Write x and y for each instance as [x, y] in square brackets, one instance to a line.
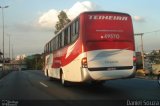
[148, 78]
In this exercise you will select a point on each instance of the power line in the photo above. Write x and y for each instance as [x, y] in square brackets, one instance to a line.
[144, 33]
[152, 31]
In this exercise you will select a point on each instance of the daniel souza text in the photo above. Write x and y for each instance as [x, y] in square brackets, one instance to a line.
[143, 103]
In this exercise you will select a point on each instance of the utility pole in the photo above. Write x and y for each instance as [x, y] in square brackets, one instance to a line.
[142, 49]
[9, 46]
[12, 52]
[3, 32]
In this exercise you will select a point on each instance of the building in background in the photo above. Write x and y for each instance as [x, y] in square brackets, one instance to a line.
[19, 63]
[35, 62]
[20, 57]
[154, 58]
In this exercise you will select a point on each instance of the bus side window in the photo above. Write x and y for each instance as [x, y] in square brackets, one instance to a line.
[72, 32]
[59, 40]
[69, 34]
[62, 39]
[47, 48]
[56, 42]
[77, 27]
[51, 45]
[75, 30]
[66, 37]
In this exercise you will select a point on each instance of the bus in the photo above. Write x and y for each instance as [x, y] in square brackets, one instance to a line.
[96, 46]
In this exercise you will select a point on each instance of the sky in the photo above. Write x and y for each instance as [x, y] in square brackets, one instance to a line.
[30, 23]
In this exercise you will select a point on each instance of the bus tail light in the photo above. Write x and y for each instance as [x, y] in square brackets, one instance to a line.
[84, 62]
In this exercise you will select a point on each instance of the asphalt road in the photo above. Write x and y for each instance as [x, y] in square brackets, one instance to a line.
[33, 85]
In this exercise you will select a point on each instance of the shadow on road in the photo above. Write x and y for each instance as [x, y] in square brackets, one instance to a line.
[95, 92]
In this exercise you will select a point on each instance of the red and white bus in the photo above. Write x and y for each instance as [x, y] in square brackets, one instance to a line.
[95, 46]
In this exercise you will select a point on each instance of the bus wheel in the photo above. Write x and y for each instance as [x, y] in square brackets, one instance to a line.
[63, 81]
[158, 79]
[47, 73]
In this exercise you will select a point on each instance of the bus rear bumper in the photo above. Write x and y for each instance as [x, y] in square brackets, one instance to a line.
[107, 75]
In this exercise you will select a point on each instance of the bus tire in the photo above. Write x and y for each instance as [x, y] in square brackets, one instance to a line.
[47, 73]
[158, 78]
[62, 78]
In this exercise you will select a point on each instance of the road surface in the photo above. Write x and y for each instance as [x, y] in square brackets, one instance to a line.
[32, 85]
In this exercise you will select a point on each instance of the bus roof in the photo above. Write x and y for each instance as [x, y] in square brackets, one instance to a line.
[94, 12]
[99, 12]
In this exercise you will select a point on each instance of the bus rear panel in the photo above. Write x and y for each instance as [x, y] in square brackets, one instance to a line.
[109, 46]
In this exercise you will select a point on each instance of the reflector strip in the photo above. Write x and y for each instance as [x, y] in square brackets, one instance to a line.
[110, 68]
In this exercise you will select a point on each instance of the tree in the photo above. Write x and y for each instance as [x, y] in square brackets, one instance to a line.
[35, 61]
[63, 20]
[154, 56]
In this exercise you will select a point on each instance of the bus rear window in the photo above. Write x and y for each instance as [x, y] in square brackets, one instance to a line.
[107, 26]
